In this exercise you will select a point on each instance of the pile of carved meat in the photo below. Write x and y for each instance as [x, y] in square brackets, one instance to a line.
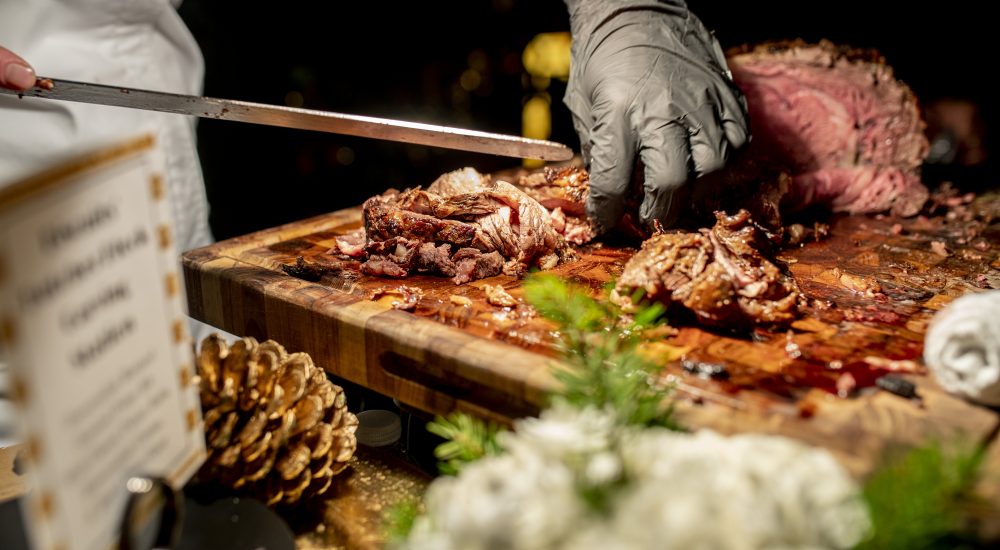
[467, 226]
[832, 126]
[718, 274]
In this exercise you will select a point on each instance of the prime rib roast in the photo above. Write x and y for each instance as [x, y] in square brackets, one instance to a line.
[837, 121]
[831, 127]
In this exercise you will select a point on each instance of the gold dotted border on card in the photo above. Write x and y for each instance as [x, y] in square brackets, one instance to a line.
[185, 376]
[172, 285]
[163, 232]
[8, 331]
[178, 331]
[156, 186]
[45, 506]
[19, 389]
[34, 448]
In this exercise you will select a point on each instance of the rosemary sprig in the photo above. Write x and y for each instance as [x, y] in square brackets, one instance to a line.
[467, 439]
[921, 499]
[600, 351]
[398, 519]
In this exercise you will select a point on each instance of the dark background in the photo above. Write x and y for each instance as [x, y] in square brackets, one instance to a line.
[405, 60]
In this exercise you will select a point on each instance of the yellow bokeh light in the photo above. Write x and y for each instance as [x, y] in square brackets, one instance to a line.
[548, 55]
[470, 80]
[478, 60]
[536, 122]
[294, 99]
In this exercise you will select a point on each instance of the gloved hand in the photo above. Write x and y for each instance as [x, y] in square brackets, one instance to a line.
[647, 78]
[15, 73]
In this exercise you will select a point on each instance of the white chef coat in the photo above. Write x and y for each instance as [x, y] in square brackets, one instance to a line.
[134, 43]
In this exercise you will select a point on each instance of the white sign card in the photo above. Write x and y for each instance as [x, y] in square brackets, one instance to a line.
[92, 315]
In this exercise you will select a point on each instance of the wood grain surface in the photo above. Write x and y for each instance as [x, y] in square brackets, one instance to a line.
[873, 285]
[11, 483]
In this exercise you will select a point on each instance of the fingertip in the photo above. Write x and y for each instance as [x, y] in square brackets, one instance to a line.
[737, 132]
[604, 211]
[708, 159]
[15, 73]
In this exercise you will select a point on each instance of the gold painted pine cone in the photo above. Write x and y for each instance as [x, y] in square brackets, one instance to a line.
[275, 426]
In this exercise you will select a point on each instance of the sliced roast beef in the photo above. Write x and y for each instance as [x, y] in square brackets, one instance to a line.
[459, 182]
[381, 266]
[472, 264]
[720, 275]
[837, 121]
[433, 258]
[566, 188]
[384, 220]
[462, 206]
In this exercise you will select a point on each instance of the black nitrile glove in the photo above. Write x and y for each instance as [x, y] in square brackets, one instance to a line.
[647, 78]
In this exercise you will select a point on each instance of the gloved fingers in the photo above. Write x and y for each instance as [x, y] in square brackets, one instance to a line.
[582, 128]
[666, 154]
[612, 149]
[15, 73]
[709, 140]
[732, 115]
[709, 146]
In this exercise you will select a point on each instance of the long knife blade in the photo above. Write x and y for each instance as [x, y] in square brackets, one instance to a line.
[304, 119]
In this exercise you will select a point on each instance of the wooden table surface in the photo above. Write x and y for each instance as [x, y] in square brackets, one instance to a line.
[496, 362]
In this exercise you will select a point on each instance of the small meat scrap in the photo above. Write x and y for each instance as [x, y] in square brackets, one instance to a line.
[939, 248]
[472, 264]
[858, 283]
[313, 270]
[408, 296]
[719, 274]
[565, 188]
[300, 269]
[795, 234]
[460, 300]
[352, 244]
[846, 384]
[498, 296]
[895, 365]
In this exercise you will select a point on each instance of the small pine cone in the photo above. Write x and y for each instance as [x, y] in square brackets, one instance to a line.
[275, 426]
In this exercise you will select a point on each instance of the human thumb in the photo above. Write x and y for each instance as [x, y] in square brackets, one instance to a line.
[15, 73]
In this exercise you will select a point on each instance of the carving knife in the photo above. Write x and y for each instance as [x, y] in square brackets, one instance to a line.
[304, 119]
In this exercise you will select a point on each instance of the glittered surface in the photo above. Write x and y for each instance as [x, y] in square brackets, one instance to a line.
[352, 518]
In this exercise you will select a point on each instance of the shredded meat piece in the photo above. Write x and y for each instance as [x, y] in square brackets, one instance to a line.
[498, 296]
[384, 221]
[720, 275]
[408, 296]
[382, 266]
[351, 244]
[564, 188]
[472, 264]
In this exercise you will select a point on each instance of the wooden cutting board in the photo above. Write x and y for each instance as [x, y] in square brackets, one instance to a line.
[463, 353]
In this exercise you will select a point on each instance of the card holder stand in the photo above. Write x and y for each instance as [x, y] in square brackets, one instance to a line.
[159, 517]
